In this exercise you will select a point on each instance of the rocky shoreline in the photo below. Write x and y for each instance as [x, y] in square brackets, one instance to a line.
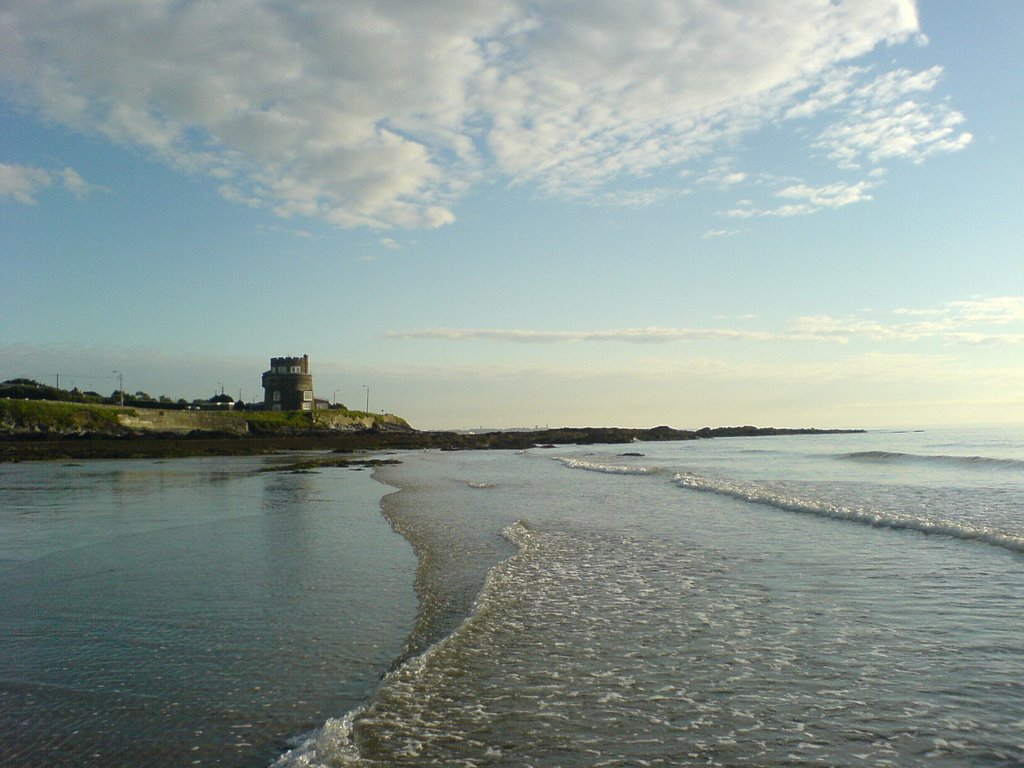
[55, 446]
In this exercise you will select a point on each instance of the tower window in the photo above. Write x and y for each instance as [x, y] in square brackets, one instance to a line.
[277, 396]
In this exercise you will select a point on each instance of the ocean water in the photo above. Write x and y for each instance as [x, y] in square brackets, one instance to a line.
[840, 600]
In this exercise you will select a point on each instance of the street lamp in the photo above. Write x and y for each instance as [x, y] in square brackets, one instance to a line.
[367, 388]
[120, 386]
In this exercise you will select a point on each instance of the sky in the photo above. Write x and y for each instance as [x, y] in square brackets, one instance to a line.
[518, 213]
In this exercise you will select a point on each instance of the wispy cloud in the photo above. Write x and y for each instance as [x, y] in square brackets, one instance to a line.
[23, 184]
[994, 321]
[384, 115]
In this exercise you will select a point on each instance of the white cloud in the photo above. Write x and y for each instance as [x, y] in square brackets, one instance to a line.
[22, 183]
[833, 91]
[382, 115]
[72, 182]
[974, 321]
[999, 310]
[714, 234]
[637, 198]
[830, 196]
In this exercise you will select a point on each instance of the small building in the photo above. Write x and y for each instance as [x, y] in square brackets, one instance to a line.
[288, 385]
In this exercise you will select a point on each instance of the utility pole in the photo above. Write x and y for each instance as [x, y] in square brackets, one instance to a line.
[120, 386]
[367, 388]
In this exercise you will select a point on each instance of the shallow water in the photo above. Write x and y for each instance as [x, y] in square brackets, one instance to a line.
[189, 612]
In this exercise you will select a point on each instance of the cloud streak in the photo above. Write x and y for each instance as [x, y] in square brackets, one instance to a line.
[807, 200]
[383, 115]
[992, 321]
[627, 335]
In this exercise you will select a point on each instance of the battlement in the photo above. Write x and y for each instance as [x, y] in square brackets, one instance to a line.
[289, 364]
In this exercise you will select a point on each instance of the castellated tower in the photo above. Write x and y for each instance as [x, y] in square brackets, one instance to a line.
[288, 385]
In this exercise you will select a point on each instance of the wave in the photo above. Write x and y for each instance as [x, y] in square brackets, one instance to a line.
[759, 494]
[895, 457]
[610, 469]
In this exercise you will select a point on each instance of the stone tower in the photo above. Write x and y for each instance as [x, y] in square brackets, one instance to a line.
[288, 385]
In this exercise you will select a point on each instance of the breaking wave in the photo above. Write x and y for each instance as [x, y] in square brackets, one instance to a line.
[335, 744]
[610, 469]
[763, 494]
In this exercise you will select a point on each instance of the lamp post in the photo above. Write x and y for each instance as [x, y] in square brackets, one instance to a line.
[120, 387]
[367, 388]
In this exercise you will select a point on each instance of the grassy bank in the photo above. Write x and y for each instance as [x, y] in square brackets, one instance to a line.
[28, 417]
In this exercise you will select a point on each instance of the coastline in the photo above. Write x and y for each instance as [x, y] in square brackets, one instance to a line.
[141, 444]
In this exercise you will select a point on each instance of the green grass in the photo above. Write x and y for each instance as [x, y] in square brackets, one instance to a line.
[275, 419]
[60, 416]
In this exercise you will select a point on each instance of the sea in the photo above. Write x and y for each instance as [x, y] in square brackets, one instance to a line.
[805, 600]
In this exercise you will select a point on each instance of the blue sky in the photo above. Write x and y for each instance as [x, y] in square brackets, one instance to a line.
[515, 213]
